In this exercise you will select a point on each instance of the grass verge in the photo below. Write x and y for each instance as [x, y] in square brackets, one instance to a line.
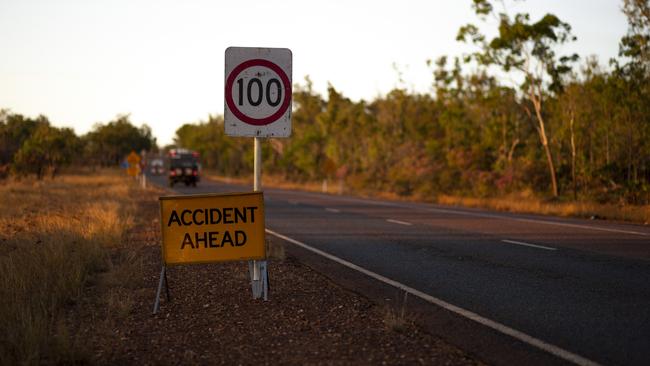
[520, 203]
[516, 202]
[54, 237]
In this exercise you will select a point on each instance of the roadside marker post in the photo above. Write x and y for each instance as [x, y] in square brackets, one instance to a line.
[143, 170]
[210, 228]
[257, 103]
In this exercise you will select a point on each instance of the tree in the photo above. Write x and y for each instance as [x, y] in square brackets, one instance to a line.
[14, 130]
[231, 156]
[525, 48]
[108, 144]
[636, 43]
[632, 82]
[47, 148]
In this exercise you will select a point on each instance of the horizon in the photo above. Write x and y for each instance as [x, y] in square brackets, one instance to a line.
[82, 63]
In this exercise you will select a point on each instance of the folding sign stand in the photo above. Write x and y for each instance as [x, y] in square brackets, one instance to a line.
[163, 278]
[259, 279]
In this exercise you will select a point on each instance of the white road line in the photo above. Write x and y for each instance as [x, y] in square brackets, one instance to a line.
[399, 222]
[486, 215]
[554, 350]
[335, 210]
[583, 226]
[527, 244]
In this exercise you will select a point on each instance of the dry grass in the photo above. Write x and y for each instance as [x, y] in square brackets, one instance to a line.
[396, 317]
[53, 239]
[527, 204]
[275, 182]
[523, 202]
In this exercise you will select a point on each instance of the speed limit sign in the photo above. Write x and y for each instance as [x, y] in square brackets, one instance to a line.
[258, 92]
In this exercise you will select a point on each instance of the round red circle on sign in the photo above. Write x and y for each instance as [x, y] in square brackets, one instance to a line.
[251, 120]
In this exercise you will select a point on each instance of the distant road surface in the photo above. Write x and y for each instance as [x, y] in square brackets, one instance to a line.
[580, 286]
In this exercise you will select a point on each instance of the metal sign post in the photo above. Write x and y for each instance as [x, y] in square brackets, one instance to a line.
[257, 103]
[258, 286]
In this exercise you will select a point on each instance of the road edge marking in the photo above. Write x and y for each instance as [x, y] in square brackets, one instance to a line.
[504, 329]
[527, 244]
[399, 222]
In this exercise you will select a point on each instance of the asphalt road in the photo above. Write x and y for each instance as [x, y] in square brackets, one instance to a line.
[582, 286]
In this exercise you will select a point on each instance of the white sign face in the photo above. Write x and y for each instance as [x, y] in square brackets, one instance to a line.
[258, 92]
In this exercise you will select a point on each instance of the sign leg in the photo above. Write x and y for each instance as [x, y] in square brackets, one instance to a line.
[167, 286]
[156, 304]
[250, 272]
[256, 286]
[265, 280]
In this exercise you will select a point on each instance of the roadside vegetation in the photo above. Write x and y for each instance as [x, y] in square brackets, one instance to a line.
[517, 118]
[33, 147]
[55, 240]
[520, 124]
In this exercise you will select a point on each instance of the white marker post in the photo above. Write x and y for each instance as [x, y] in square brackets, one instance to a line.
[258, 104]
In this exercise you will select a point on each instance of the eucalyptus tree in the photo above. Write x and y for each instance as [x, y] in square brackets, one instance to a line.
[526, 49]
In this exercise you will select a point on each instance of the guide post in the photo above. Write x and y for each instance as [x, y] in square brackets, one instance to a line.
[258, 104]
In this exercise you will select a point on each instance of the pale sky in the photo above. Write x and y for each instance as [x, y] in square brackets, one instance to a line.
[85, 61]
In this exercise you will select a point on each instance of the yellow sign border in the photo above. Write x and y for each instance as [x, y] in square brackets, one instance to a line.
[209, 195]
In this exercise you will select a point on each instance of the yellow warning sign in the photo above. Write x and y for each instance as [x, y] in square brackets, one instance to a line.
[212, 228]
[133, 158]
[133, 170]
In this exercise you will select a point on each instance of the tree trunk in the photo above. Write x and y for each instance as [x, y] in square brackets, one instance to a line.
[607, 147]
[573, 159]
[542, 135]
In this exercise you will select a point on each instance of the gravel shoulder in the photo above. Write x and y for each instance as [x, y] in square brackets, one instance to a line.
[212, 318]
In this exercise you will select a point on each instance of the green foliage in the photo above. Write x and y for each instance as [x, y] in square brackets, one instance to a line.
[34, 146]
[522, 45]
[226, 155]
[14, 130]
[526, 48]
[47, 147]
[636, 43]
[109, 143]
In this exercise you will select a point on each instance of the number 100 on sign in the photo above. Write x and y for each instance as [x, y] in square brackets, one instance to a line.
[258, 92]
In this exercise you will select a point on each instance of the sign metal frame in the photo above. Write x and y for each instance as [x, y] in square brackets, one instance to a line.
[259, 241]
